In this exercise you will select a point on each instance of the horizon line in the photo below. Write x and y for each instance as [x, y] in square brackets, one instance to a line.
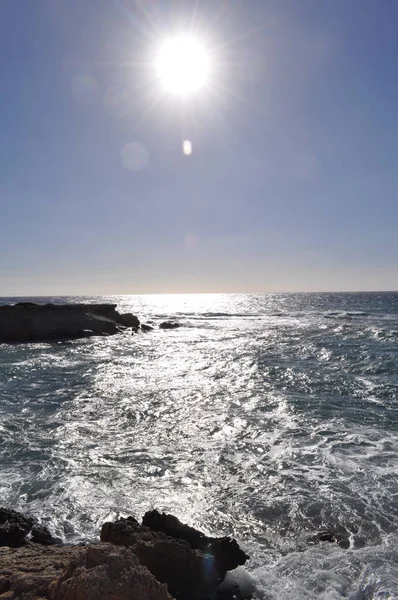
[84, 295]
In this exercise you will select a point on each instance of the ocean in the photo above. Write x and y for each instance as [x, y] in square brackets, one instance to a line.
[266, 417]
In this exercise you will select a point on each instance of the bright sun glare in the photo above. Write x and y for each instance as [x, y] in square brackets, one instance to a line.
[183, 65]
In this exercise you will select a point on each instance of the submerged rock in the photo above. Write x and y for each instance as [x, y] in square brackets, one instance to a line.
[339, 536]
[169, 325]
[28, 322]
[145, 327]
[191, 564]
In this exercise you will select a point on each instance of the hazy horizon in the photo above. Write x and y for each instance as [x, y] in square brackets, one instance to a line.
[292, 183]
[204, 293]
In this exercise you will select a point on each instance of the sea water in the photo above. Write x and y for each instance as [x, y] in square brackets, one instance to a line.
[265, 417]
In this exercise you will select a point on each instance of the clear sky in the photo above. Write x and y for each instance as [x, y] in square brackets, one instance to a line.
[292, 184]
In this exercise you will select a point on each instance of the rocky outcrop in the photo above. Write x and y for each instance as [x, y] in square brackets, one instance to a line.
[32, 571]
[95, 572]
[161, 559]
[41, 535]
[128, 320]
[191, 564]
[169, 325]
[107, 572]
[225, 551]
[15, 527]
[28, 322]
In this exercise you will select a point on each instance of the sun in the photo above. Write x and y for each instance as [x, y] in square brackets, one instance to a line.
[183, 65]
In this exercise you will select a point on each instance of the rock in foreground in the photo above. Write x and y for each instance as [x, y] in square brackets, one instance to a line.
[32, 571]
[95, 572]
[108, 573]
[162, 559]
[191, 564]
[224, 551]
[27, 322]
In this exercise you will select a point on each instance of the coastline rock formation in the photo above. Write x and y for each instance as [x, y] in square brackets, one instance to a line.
[31, 572]
[94, 572]
[15, 527]
[190, 563]
[28, 322]
[162, 559]
[107, 572]
[224, 551]
[169, 325]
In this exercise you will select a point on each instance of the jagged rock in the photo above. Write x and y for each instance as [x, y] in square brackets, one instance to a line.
[225, 550]
[145, 327]
[28, 322]
[169, 325]
[41, 535]
[129, 320]
[95, 572]
[161, 551]
[14, 527]
[32, 571]
[191, 569]
[106, 572]
[172, 562]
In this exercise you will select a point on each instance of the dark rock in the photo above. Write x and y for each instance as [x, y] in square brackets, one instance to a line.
[145, 327]
[28, 322]
[128, 320]
[174, 562]
[14, 527]
[29, 304]
[339, 536]
[224, 550]
[5, 584]
[94, 572]
[169, 325]
[31, 572]
[105, 572]
[173, 527]
[12, 534]
[41, 535]
[191, 569]
[234, 593]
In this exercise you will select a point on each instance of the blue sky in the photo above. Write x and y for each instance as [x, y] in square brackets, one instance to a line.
[293, 180]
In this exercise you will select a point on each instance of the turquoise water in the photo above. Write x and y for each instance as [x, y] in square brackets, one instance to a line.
[264, 417]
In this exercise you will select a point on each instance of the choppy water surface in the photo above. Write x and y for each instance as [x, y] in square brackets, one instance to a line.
[264, 417]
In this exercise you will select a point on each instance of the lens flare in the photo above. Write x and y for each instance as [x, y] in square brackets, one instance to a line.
[187, 147]
[135, 157]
